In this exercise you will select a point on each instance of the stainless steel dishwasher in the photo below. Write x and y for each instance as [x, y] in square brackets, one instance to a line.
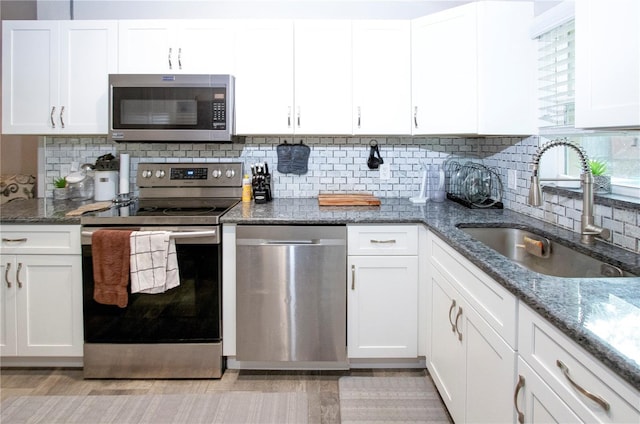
[291, 301]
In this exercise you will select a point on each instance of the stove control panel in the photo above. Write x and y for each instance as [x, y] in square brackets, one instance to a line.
[189, 174]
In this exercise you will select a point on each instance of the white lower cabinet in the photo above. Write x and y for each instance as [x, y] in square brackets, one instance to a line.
[578, 387]
[471, 362]
[382, 291]
[535, 402]
[41, 294]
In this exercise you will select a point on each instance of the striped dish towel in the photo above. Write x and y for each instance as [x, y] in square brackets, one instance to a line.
[154, 263]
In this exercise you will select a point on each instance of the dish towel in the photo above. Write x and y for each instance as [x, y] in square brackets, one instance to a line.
[154, 263]
[110, 257]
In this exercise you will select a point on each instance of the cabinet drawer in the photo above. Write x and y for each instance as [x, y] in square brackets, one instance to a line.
[40, 239]
[492, 301]
[382, 240]
[542, 346]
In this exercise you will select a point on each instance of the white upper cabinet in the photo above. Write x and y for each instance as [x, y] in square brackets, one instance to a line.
[177, 46]
[264, 77]
[607, 64]
[381, 77]
[473, 70]
[55, 76]
[322, 77]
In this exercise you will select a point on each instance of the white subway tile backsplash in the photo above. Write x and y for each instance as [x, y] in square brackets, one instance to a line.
[340, 164]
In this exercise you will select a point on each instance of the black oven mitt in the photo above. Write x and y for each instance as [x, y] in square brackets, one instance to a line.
[293, 158]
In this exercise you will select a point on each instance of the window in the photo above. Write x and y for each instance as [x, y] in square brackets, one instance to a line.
[619, 151]
[555, 33]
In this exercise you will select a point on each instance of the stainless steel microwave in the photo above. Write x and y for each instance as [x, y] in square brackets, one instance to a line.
[177, 107]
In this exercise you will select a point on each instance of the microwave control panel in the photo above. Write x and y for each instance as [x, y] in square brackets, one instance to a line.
[219, 109]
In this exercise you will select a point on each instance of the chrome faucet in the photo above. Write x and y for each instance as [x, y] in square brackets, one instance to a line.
[588, 230]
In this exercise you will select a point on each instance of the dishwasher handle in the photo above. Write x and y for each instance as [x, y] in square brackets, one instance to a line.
[291, 242]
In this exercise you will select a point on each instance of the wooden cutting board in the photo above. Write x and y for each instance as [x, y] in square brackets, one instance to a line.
[91, 207]
[348, 199]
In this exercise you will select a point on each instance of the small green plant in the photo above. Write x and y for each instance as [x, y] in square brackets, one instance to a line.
[60, 182]
[598, 167]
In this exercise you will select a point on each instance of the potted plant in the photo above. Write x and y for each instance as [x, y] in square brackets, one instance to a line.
[60, 188]
[601, 182]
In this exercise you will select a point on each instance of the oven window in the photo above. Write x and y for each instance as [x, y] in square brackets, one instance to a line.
[189, 313]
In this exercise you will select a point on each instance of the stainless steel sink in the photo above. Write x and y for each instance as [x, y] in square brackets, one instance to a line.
[539, 254]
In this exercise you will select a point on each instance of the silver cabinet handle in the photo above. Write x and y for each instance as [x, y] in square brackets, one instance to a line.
[170, 65]
[457, 328]
[53, 123]
[383, 241]
[6, 274]
[519, 386]
[453, 305]
[359, 115]
[597, 399]
[353, 277]
[298, 117]
[415, 116]
[62, 116]
[18, 240]
[179, 57]
[18, 275]
[289, 118]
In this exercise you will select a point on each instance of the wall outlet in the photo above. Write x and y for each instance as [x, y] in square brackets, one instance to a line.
[385, 171]
[513, 179]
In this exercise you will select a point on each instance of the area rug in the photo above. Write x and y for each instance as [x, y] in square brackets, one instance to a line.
[390, 400]
[224, 407]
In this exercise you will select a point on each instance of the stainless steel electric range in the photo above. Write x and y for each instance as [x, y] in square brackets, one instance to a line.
[175, 334]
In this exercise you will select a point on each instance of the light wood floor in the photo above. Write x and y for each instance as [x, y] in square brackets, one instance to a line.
[320, 386]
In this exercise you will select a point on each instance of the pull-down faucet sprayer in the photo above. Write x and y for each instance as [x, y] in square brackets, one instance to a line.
[588, 230]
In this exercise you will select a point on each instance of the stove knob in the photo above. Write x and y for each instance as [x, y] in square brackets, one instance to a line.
[159, 173]
[230, 173]
[216, 173]
[146, 173]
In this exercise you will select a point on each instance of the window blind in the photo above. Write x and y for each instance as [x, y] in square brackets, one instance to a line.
[556, 76]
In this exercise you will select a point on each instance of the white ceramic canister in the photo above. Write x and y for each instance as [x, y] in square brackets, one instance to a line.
[106, 185]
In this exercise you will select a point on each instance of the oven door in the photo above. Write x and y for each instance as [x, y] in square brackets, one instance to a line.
[189, 313]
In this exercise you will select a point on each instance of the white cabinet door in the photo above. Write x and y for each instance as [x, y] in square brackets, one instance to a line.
[607, 63]
[30, 53]
[8, 326]
[490, 365]
[42, 305]
[146, 46]
[49, 305]
[206, 46]
[473, 70]
[55, 76]
[88, 54]
[382, 304]
[323, 77]
[381, 77]
[264, 77]
[537, 403]
[444, 74]
[447, 359]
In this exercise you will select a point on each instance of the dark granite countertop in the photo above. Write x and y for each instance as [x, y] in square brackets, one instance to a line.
[39, 211]
[601, 315]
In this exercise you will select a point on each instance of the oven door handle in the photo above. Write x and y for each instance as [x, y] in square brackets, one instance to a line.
[176, 234]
